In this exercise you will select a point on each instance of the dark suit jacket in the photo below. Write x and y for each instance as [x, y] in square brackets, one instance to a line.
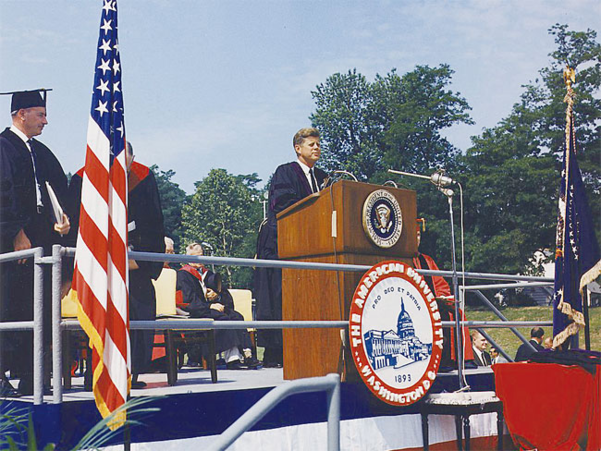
[524, 351]
[485, 361]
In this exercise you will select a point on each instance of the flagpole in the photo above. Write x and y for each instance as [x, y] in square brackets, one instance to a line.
[587, 323]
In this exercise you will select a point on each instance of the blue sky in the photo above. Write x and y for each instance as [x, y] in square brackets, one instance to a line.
[227, 83]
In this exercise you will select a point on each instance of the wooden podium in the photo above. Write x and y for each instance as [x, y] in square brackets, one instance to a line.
[327, 227]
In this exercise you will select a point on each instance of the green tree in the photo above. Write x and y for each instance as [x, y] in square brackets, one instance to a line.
[417, 107]
[172, 201]
[225, 212]
[396, 121]
[349, 136]
[511, 173]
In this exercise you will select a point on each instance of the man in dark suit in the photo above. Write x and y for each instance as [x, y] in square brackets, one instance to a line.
[479, 344]
[27, 220]
[290, 183]
[525, 351]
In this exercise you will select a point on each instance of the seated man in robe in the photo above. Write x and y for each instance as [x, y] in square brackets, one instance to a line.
[446, 306]
[201, 294]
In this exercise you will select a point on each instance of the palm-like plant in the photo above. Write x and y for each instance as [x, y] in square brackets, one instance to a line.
[17, 431]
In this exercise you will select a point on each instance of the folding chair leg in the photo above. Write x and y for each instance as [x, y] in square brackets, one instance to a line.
[171, 352]
[212, 358]
[66, 360]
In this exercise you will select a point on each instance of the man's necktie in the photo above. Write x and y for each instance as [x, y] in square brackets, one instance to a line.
[313, 182]
[34, 161]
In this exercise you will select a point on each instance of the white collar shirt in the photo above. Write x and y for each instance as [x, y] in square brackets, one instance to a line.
[307, 170]
[25, 139]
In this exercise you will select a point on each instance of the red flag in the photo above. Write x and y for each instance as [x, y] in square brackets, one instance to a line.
[101, 275]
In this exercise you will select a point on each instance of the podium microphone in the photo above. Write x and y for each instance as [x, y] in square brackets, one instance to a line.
[438, 178]
[441, 180]
[332, 178]
[342, 172]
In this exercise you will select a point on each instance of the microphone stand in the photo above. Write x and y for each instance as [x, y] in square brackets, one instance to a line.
[440, 181]
[458, 330]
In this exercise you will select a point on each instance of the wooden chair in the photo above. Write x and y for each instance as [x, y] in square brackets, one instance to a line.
[165, 288]
[244, 304]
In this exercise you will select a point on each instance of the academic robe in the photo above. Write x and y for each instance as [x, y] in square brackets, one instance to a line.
[145, 219]
[288, 185]
[441, 288]
[18, 210]
[191, 298]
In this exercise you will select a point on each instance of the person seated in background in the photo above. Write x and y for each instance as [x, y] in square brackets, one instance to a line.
[548, 343]
[218, 295]
[446, 306]
[479, 344]
[201, 294]
[169, 249]
[525, 351]
[496, 357]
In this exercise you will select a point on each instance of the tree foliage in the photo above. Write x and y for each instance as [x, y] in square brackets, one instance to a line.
[393, 122]
[511, 173]
[225, 212]
[172, 201]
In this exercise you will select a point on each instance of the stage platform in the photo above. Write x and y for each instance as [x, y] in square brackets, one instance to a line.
[195, 410]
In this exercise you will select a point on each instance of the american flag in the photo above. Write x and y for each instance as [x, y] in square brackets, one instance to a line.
[101, 273]
[577, 259]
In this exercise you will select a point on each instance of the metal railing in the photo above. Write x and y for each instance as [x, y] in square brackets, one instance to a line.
[58, 324]
[329, 383]
[38, 310]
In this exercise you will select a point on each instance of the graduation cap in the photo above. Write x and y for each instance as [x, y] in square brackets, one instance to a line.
[27, 99]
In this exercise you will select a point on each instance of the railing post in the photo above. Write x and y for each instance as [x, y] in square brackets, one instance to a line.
[38, 327]
[57, 354]
[334, 418]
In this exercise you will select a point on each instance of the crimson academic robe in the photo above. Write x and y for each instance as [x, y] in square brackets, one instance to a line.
[19, 211]
[288, 185]
[145, 218]
[441, 289]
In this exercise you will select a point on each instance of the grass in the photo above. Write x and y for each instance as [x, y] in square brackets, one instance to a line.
[510, 343]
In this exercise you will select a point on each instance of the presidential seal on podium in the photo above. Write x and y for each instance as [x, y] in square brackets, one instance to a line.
[382, 218]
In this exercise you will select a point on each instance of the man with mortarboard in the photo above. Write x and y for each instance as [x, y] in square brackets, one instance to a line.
[31, 181]
[290, 183]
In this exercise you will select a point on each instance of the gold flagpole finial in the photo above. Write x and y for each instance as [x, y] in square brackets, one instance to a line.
[569, 76]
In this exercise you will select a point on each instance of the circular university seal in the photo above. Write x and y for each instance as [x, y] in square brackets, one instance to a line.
[382, 218]
[396, 333]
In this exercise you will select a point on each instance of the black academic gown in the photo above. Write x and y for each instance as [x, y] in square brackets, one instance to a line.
[18, 210]
[192, 295]
[288, 185]
[146, 234]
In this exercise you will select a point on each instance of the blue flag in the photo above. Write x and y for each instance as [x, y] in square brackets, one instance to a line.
[577, 258]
